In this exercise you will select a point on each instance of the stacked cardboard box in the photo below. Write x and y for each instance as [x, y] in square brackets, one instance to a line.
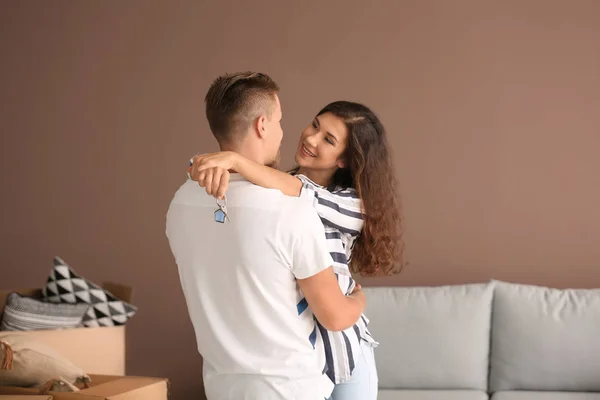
[95, 350]
[98, 351]
[103, 387]
[24, 397]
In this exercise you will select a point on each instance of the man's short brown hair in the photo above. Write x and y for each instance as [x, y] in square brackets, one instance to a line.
[235, 100]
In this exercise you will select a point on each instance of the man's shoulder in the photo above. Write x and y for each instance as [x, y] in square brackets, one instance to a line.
[279, 205]
[190, 193]
[296, 212]
[245, 195]
[241, 193]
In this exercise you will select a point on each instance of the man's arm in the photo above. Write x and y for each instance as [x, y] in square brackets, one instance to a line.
[304, 248]
[334, 311]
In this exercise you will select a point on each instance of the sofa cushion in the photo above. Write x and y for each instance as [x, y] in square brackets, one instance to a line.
[391, 394]
[431, 337]
[545, 339]
[532, 395]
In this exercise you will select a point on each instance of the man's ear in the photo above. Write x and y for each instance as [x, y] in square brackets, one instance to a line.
[261, 128]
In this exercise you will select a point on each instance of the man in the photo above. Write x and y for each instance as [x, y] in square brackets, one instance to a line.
[242, 262]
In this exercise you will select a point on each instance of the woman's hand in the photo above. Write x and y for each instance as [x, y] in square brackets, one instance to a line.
[212, 172]
[222, 159]
[215, 180]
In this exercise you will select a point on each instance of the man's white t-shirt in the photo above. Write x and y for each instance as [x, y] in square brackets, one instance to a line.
[239, 281]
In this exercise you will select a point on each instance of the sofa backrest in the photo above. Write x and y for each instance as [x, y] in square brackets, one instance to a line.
[431, 337]
[544, 339]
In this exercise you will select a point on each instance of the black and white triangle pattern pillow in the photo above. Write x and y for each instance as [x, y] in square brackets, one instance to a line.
[65, 286]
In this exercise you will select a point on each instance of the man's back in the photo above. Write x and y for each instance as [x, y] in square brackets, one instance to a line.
[239, 280]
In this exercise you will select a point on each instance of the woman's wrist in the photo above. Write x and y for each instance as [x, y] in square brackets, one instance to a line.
[234, 161]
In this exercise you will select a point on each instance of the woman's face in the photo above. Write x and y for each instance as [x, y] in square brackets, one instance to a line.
[323, 144]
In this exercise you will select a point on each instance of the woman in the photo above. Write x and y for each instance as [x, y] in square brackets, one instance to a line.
[344, 169]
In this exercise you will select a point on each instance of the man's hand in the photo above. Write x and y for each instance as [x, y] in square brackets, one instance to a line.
[211, 171]
[359, 295]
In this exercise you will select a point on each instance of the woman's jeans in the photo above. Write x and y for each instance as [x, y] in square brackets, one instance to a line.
[363, 383]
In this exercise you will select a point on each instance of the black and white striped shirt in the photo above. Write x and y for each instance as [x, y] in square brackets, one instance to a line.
[340, 211]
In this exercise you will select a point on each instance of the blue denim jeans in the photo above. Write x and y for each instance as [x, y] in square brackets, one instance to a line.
[363, 383]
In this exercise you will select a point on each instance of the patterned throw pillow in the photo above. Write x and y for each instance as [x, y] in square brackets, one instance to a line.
[23, 313]
[65, 286]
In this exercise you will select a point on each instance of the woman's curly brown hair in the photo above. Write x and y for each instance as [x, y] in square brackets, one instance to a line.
[379, 249]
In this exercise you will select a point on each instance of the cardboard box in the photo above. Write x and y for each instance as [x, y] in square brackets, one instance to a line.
[104, 387]
[95, 350]
[21, 397]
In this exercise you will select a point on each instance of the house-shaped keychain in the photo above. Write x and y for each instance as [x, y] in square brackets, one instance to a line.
[221, 212]
[220, 216]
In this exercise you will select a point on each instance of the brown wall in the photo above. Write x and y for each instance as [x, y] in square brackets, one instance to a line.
[492, 107]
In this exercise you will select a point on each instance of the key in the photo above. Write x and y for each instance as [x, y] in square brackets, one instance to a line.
[221, 212]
